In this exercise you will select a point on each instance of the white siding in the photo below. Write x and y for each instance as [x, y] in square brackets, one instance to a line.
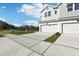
[50, 28]
[61, 13]
[64, 13]
[61, 25]
[52, 17]
[56, 28]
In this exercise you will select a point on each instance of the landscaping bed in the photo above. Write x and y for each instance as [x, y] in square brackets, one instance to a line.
[53, 38]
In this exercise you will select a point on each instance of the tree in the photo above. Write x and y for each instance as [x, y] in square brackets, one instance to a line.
[6, 26]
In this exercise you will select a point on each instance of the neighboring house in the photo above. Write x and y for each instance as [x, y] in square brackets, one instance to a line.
[63, 18]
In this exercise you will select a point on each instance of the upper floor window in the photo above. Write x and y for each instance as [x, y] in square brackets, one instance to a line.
[47, 9]
[49, 13]
[55, 11]
[45, 14]
[70, 7]
[76, 6]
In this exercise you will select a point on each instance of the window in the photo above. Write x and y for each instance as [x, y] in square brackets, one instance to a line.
[55, 11]
[70, 7]
[76, 6]
[49, 13]
[47, 9]
[45, 14]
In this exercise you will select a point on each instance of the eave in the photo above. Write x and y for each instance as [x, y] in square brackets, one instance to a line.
[61, 19]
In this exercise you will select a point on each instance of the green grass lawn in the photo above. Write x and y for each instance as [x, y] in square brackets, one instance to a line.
[3, 33]
[53, 38]
[20, 32]
[17, 32]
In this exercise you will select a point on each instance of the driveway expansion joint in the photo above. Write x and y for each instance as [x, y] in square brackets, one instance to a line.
[30, 53]
[35, 44]
[47, 48]
[66, 46]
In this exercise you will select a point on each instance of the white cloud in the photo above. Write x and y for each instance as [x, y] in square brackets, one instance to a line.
[2, 19]
[32, 10]
[15, 24]
[27, 7]
[31, 22]
[3, 7]
[40, 5]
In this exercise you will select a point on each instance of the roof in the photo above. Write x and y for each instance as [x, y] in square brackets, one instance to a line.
[44, 8]
[52, 7]
[59, 4]
[55, 7]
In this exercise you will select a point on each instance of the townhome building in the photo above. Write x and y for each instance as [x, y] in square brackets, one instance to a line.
[63, 18]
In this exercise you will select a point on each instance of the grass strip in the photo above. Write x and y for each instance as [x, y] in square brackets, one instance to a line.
[53, 38]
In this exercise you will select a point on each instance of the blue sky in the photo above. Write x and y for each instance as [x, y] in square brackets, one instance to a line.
[22, 13]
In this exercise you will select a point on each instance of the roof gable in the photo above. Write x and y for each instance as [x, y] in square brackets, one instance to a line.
[44, 9]
[52, 7]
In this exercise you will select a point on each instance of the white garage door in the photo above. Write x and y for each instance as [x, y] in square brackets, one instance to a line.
[71, 28]
[50, 28]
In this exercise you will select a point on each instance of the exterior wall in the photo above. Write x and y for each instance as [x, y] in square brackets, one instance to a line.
[50, 28]
[61, 13]
[59, 26]
[64, 13]
[52, 17]
[40, 28]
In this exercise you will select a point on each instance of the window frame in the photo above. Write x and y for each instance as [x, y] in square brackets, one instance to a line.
[45, 14]
[49, 13]
[75, 7]
[70, 8]
[55, 11]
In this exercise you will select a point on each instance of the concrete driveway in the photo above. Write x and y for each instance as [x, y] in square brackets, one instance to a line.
[11, 48]
[27, 44]
[33, 45]
[66, 45]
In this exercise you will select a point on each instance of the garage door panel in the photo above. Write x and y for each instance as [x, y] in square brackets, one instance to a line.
[71, 28]
[49, 28]
[44, 28]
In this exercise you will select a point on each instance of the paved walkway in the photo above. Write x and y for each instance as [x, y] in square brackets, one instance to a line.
[33, 45]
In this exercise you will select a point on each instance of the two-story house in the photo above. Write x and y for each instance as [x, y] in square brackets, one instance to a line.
[63, 18]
